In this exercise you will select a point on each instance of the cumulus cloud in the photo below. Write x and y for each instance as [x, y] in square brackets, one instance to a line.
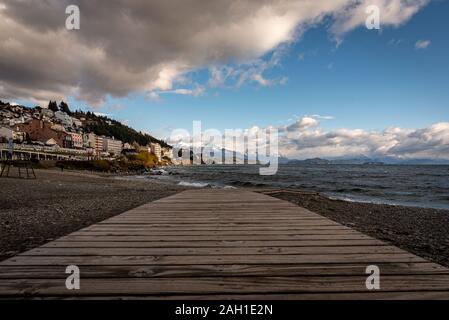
[302, 124]
[146, 46]
[422, 44]
[305, 139]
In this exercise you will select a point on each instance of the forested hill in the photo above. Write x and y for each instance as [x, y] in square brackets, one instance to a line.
[102, 125]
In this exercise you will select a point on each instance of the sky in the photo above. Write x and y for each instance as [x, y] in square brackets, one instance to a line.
[309, 68]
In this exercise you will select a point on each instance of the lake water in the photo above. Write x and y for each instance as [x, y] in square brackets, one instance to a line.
[426, 186]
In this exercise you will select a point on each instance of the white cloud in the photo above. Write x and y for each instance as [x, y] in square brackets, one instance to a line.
[304, 123]
[146, 46]
[305, 139]
[392, 13]
[422, 44]
[194, 92]
[101, 114]
[154, 96]
[317, 116]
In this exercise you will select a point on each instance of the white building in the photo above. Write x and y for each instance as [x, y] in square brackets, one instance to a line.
[9, 133]
[6, 133]
[47, 113]
[89, 140]
[64, 118]
[156, 150]
[167, 152]
[77, 122]
[112, 146]
[127, 146]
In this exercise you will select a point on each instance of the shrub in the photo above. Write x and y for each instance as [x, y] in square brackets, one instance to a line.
[147, 159]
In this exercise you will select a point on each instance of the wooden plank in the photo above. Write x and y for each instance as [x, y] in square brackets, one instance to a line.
[150, 221]
[211, 259]
[338, 296]
[215, 227]
[182, 233]
[215, 213]
[212, 244]
[131, 251]
[284, 270]
[225, 221]
[80, 237]
[219, 216]
[217, 285]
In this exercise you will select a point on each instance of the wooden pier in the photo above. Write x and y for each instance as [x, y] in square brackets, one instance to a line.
[221, 244]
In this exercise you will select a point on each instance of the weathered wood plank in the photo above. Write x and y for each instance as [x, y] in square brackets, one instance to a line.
[48, 251]
[372, 295]
[212, 244]
[211, 259]
[225, 221]
[281, 270]
[181, 233]
[217, 285]
[80, 237]
[212, 227]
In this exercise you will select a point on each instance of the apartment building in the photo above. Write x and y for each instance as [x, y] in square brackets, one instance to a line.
[77, 140]
[112, 146]
[156, 150]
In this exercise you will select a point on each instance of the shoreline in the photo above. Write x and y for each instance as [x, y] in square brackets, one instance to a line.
[422, 231]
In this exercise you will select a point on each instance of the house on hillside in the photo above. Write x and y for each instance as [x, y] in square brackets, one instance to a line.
[51, 142]
[77, 140]
[58, 127]
[41, 131]
[7, 133]
[77, 122]
[46, 114]
[64, 119]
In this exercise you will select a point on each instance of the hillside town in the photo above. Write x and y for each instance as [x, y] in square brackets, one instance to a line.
[54, 132]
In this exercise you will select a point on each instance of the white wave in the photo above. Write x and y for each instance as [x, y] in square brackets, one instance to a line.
[193, 184]
[229, 187]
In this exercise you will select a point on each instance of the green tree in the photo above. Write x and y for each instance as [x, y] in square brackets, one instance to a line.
[64, 107]
[53, 106]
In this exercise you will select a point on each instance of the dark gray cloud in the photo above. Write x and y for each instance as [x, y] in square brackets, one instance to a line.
[147, 46]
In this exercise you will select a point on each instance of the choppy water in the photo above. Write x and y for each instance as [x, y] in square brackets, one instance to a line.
[426, 186]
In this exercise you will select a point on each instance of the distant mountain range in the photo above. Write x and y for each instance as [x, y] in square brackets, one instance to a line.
[363, 160]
